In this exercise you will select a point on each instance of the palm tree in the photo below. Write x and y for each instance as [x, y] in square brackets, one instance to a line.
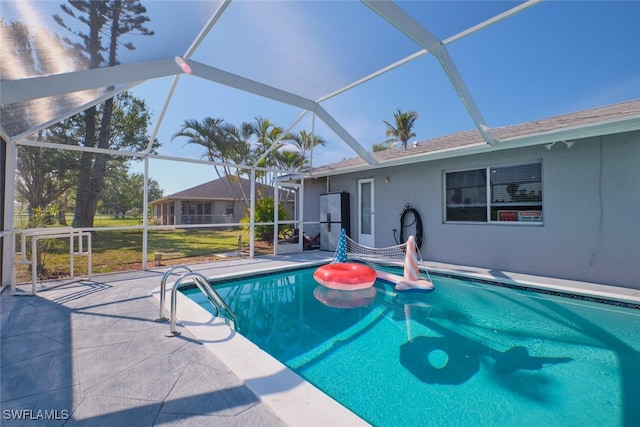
[210, 134]
[290, 160]
[224, 143]
[267, 134]
[402, 129]
[240, 139]
[303, 142]
[306, 141]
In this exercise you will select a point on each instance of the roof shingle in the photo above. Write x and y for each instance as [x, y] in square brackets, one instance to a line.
[226, 188]
[621, 111]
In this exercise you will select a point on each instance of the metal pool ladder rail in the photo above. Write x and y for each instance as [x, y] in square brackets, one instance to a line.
[163, 289]
[205, 287]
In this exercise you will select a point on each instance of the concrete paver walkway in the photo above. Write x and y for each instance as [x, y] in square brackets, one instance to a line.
[91, 354]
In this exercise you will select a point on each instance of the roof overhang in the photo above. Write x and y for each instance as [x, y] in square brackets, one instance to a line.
[609, 127]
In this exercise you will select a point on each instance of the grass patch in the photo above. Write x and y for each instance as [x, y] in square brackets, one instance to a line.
[121, 250]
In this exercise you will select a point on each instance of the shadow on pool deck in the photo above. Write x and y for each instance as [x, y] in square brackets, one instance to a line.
[90, 353]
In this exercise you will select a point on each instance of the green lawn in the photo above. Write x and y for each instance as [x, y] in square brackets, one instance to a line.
[121, 250]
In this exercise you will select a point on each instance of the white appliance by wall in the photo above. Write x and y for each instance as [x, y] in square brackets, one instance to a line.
[334, 216]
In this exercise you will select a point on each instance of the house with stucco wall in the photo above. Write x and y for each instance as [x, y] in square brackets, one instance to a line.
[221, 201]
[557, 197]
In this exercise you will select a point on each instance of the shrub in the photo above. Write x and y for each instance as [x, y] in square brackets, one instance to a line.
[264, 213]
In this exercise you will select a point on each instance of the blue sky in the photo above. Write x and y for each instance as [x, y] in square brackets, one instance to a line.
[554, 58]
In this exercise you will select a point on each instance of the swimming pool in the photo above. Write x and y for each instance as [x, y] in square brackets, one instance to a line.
[466, 354]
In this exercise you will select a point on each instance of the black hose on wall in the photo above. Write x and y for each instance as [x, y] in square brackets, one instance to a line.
[406, 214]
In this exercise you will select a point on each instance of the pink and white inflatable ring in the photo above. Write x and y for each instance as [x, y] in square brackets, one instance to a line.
[345, 276]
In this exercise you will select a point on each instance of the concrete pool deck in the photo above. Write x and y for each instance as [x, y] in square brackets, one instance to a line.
[91, 353]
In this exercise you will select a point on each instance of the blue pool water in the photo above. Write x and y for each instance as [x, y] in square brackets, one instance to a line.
[466, 354]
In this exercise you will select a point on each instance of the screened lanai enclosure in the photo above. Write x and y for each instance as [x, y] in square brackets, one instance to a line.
[107, 106]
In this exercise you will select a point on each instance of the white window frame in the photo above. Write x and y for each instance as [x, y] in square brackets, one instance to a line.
[488, 196]
[233, 208]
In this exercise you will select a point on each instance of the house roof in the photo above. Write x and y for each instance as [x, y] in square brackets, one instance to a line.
[218, 189]
[622, 117]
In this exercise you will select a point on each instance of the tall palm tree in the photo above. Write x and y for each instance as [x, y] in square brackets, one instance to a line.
[289, 160]
[240, 137]
[240, 140]
[303, 142]
[267, 133]
[402, 130]
[306, 141]
[210, 133]
[224, 143]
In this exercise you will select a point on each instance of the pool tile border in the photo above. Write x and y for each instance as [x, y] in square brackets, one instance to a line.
[613, 300]
[574, 293]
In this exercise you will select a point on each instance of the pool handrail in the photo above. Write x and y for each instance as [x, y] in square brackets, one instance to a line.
[205, 287]
[163, 288]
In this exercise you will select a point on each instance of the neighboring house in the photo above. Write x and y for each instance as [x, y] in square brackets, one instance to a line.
[558, 197]
[222, 201]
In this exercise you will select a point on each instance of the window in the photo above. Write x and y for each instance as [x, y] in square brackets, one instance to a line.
[229, 210]
[514, 194]
[467, 195]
